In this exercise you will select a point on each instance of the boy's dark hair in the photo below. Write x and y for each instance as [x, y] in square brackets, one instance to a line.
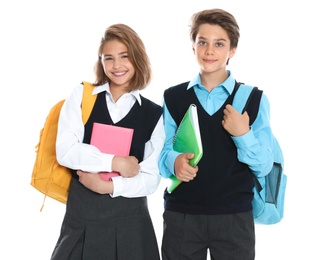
[136, 54]
[216, 17]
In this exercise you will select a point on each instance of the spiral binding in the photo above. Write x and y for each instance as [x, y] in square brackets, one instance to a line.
[175, 136]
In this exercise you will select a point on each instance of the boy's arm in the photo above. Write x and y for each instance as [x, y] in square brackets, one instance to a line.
[255, 147]
[168, 155]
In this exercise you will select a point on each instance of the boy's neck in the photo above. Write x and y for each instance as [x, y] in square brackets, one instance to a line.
[211, 80]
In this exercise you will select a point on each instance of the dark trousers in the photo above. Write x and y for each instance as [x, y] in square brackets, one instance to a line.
[188, 237]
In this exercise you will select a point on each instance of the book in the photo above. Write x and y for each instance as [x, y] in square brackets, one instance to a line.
[112, 140]
[187, 140]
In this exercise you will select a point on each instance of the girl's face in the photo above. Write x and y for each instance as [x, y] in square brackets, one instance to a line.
[116, 64]
[212, 49]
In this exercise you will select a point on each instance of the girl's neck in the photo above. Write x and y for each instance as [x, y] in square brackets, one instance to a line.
[117, 91]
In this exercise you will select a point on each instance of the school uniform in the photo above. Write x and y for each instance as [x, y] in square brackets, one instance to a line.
[107, 226]
[213, 211]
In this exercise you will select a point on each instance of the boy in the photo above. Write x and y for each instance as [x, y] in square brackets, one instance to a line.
[211, 208]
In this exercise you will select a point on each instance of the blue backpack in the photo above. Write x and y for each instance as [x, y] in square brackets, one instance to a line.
[269, 191]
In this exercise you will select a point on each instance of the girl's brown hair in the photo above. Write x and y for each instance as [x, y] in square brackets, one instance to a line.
[136, 54]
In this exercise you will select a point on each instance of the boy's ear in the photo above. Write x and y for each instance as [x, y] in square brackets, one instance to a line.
[232, 52]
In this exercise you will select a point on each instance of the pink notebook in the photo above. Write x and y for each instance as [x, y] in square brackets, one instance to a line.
[113, 140]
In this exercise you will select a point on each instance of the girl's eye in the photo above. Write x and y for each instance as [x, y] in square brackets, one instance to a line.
[124, 57]
[105, 58]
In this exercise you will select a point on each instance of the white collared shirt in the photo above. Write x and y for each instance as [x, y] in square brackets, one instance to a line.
[74, 154]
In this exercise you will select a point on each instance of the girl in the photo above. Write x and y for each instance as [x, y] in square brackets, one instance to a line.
[110, 219]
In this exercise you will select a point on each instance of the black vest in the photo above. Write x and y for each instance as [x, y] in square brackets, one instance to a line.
[223, 184]
[143, 119]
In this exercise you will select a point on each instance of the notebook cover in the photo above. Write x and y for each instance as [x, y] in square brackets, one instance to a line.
[112, 140]
[187, 139]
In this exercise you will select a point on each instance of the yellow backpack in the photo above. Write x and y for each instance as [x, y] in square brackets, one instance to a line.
[48, 176]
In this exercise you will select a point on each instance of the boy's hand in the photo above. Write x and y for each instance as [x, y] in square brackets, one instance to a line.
[235, 123]
[183, 170]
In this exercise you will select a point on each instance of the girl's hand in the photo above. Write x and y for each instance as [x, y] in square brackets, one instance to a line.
[127, 166]
[95, 183]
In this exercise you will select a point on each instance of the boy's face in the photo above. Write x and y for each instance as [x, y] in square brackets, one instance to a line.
[212, 48]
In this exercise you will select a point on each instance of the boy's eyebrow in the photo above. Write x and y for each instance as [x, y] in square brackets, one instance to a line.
[202, 38]
[215, 40]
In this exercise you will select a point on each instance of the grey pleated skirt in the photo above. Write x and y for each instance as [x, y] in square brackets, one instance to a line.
[98, 227]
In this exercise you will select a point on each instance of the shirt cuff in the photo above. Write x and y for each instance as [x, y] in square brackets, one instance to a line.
[107, 162]
[170, 161]
[118, 186]
[245, 141]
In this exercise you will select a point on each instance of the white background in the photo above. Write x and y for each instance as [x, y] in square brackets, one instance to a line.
[48, 47]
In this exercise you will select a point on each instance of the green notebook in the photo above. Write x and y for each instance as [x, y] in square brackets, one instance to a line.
[187, 139]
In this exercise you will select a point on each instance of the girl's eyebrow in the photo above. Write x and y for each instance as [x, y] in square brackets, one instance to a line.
[121, 53]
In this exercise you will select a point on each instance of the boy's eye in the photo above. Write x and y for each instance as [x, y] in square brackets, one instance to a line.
[219, 44]
[202, 43]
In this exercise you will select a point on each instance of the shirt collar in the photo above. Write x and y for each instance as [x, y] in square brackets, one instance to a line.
[228, 84]
[105, 87]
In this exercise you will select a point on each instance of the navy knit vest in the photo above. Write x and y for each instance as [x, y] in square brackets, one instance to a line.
[223, 184]
[142, 119]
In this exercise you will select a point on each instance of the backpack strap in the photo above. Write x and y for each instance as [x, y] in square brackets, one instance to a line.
[249, 99]
[241, 94]
[88, 100]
